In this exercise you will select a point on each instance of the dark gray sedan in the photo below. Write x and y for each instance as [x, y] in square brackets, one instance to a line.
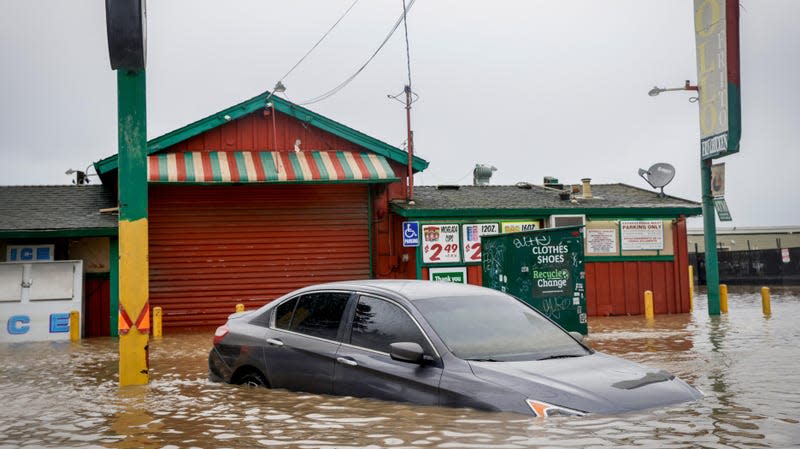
[431, 343]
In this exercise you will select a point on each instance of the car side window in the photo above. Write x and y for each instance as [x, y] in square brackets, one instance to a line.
[283, 314]
[317, 314]
[378, 323]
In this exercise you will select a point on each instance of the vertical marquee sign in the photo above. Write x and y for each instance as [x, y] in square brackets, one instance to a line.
[716, 24]
[544, 268]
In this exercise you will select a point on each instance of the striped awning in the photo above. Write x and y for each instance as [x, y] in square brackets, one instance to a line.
[268, 167]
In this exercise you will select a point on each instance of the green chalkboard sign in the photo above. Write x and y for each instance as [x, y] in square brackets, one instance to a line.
[544, 268]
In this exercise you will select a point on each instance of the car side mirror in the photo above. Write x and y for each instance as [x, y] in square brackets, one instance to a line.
[577, 336]
[406, 351]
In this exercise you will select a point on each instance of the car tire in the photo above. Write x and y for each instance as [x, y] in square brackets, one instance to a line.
[252, 379]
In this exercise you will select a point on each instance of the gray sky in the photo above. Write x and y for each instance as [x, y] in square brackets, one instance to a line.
[536, 88]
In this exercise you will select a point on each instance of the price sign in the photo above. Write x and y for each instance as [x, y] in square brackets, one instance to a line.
[440, 243]
[471, 234]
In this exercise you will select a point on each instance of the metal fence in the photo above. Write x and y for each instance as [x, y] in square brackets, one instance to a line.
[756, 267]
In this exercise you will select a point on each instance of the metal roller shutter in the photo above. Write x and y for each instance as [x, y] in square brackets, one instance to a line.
[212, 247]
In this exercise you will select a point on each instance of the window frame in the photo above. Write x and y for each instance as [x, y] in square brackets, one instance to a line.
[351, 311]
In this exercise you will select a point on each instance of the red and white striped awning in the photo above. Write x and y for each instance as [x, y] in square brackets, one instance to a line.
[268, 167]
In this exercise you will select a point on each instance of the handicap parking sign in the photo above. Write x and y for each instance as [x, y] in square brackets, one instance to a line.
[410, 234]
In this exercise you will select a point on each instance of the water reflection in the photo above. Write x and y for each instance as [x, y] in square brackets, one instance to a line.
[66, 395]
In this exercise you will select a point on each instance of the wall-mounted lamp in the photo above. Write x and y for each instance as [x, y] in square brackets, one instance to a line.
[657, 90]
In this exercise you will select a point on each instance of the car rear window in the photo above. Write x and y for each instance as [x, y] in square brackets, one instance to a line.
[315, 314]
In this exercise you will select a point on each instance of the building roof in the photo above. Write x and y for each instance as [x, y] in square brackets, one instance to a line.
[65, 211]
[608, 200]
[257, 103]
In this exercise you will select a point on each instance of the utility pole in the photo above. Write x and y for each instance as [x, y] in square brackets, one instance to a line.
[410, 191]
[126, 27]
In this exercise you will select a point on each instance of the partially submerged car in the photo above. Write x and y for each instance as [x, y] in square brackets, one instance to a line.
[431, 343]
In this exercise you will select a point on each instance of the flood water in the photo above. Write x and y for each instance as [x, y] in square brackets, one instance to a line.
[66, 395]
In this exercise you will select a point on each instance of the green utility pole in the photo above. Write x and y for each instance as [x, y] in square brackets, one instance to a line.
[710, 239]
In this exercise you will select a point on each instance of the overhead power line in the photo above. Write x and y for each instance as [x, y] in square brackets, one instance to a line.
[319, 41]
[347, 81]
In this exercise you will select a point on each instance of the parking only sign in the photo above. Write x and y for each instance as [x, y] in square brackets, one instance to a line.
[410, 234]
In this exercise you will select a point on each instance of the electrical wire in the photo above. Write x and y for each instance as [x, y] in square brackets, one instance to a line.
[319, 41]
[347, 81]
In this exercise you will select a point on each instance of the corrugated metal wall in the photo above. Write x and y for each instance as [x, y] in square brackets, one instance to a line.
[617, 288]
[212, 247]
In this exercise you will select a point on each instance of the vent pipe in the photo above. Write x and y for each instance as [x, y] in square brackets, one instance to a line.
[587, 187]
[482, 174]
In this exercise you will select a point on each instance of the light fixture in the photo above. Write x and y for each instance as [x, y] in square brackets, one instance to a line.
[657, 90]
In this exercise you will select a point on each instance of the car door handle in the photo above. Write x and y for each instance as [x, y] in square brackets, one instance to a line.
[347, 361]
[274, 342]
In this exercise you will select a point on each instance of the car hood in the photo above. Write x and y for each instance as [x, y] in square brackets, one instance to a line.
[596, 383]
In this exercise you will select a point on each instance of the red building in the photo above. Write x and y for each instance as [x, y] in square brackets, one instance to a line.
[255, 201]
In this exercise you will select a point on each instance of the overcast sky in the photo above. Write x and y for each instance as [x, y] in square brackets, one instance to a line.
[534, 88]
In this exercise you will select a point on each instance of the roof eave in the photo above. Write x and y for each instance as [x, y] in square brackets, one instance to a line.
[611, 212]
[108, 164]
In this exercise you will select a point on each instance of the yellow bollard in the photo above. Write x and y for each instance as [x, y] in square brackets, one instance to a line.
[74, 325]
[765, 305]
[157, 322]
[723, 298]
[648, 305]
[691, 288]
[240, 307]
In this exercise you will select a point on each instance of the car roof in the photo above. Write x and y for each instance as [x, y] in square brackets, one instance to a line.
[409, 289]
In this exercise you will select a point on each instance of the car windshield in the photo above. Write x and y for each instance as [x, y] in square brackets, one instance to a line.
[496, 328]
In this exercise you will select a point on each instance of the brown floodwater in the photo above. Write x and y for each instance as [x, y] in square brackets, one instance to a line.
[66, 395]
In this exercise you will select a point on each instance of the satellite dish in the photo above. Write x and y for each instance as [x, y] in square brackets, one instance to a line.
[658, 175]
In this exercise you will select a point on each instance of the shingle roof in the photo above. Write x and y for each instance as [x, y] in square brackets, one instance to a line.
[56, 208]
[607, 199]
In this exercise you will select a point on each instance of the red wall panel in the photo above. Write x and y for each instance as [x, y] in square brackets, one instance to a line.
[212, 247]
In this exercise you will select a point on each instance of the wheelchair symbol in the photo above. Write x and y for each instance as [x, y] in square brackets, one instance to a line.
[410, 233]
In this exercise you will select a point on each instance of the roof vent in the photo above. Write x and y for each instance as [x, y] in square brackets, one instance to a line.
[447, 187]
[552, 183]
[481, 174]
[524, 185]
[587, 187]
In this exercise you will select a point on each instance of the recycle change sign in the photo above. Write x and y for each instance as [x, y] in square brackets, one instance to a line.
[544, 268]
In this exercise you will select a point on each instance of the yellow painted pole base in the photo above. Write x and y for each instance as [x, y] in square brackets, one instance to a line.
[766, 307]
[133, 359]
[157, 322]
[723, 298]
[74, 325]
[649, 311]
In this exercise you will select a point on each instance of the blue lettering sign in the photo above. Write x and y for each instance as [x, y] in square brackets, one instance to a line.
[18, 324]
[59, 322]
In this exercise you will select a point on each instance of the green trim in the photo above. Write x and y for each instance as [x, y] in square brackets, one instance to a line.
[734, 118]
[257, 103]
[48, 233]
[629, 258]
[113, 297]
[460, 214]
[132, 144]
